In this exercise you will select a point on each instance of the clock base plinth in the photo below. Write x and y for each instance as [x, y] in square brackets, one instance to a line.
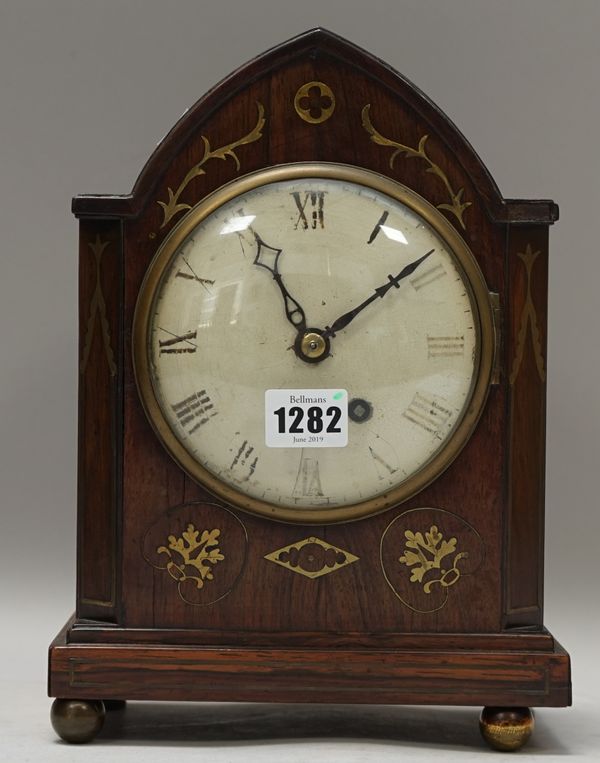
[517, 677]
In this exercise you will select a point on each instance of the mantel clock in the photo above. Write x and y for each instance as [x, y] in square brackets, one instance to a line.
[312, 411]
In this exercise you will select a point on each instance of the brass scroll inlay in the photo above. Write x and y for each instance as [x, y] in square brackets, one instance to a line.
[312, 557]
[196, 555]
[98, 305]
[528, 318]
[457, 206]
[427, 553]
[172, 206]
[314, 102]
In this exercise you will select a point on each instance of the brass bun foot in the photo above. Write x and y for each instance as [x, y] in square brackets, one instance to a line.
[506, 728]
[77, 720]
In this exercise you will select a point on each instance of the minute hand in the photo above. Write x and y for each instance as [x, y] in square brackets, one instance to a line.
[380, 291]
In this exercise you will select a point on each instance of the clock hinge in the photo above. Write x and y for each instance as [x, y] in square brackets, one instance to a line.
[497, 318]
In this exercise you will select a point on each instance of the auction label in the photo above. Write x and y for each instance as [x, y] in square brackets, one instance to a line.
[306, 418]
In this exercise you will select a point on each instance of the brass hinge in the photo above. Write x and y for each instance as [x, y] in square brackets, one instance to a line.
[497, 319]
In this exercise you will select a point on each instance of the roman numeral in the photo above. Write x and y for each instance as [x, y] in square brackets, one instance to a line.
[194, 411]
[425, 277]
[377, 228]
[314, 216]
[381, 462]
[178, 345]
[241, 224]
[245, 461]
[445, 346]
[308, 480]
[191, 276]
[427, 413]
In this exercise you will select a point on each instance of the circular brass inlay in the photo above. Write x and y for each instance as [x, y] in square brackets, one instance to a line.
[423, 588]
[314, 102]
[313, 345]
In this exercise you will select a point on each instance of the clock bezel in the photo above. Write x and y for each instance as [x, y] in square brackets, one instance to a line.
[483, 366]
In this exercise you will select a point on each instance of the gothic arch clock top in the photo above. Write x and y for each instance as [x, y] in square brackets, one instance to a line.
[312, 411]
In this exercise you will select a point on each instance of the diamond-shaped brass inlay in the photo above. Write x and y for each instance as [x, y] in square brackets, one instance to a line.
[312, 557]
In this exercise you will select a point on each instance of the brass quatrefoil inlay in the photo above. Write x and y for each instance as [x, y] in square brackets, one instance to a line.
[314, 102]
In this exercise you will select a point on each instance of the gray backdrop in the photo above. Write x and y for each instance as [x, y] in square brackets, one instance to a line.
[88, 88]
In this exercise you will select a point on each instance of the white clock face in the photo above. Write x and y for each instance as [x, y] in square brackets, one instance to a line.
[365, 272]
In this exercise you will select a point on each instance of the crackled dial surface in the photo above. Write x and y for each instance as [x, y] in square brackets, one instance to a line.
[363, 263]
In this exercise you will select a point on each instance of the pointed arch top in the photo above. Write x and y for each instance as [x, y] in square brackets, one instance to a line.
[422, 131]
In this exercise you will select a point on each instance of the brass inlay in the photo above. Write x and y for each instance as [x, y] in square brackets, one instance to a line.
[426, 553]
[312, 557]
[314, 102]
[528, 317]
[172, 206]
[98, 305]
[458, 206]
[192, 552]
[313, 345]
[434, 559]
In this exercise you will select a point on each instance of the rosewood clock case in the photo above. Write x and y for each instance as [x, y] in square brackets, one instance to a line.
[324, 612]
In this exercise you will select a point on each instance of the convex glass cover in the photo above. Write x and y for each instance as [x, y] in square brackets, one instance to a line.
[314, 277]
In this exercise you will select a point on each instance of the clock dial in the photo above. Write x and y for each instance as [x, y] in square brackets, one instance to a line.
[316, 277]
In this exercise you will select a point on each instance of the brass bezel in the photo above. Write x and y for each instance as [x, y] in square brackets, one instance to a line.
[480, 299]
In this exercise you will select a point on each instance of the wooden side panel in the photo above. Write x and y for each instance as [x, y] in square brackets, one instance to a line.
[526, 364]
[100, 414]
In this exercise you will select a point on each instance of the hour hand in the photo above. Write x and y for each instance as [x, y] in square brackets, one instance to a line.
[267, 257]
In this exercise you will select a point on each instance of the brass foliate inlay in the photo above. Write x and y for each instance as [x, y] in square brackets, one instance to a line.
[429, 552]
[314, 102]
[528, 320]
[457, 206]
[192, 556]
[172, 206]
[312, 557]
[98, 308]
[423, 566]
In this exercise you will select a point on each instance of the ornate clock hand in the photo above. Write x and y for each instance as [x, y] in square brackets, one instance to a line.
[380, 291]
[293, 311]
